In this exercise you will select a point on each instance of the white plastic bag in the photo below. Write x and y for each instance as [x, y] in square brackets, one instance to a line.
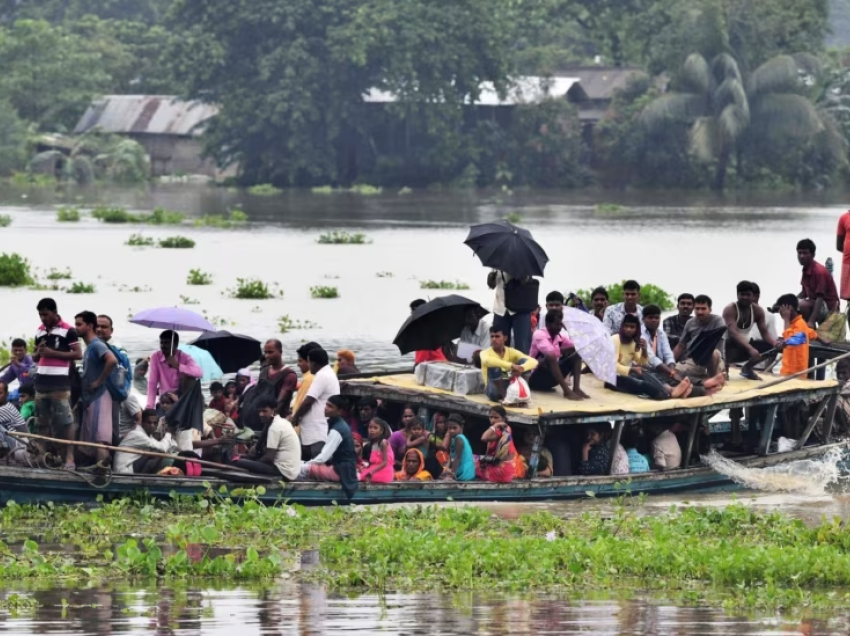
[785, 445]
[517, 392]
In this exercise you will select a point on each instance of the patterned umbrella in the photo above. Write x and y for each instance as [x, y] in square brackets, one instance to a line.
[593, 343]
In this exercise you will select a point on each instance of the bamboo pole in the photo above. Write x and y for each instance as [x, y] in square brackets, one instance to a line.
[122, 449]
[785, 378]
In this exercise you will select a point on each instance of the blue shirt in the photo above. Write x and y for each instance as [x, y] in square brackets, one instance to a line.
[23, 372]
[637, 462]
[466, 467]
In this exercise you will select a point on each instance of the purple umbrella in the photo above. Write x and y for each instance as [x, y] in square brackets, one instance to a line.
[173, 318]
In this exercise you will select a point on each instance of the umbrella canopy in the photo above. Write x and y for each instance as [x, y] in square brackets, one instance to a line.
[232, 351]
[508, 248]
[174, 318]
[701, 348]
[204, 359]
[436, 323]
[593, 343]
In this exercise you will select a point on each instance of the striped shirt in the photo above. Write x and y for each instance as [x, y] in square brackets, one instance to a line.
[11, 420]
[52, 374]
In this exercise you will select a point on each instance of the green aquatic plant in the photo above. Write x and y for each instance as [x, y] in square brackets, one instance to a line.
[342, 238]
[186, 300]
[238, 216]
[286, 324]
[252, 289]
[15, 271]
[80, 288]
[365, 189]
[264, 190]
[161, 216]
[405, 191]
[608, 208]
[55, 274]
[140, 240]
[67, 215]
[108, 214]
[176, 242]
[325, 189]
[197, 277]
[649, 295]
[324, 292]
[442, 284]
[514, 217]
[234, 217]
[135, 289]
[5, 220]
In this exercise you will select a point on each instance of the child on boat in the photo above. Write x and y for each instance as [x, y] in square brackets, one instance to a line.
[461, 466]
[380, 470]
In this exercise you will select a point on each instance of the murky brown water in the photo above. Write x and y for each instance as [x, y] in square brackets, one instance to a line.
[695, 243]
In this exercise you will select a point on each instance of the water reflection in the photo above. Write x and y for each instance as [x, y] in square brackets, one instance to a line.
[298, 609]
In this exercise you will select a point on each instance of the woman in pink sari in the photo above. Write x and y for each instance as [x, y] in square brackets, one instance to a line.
[499, 464]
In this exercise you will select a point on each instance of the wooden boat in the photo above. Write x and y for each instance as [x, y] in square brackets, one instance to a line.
[548, 412]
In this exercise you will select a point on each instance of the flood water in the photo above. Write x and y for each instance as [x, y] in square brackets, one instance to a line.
[694, 243]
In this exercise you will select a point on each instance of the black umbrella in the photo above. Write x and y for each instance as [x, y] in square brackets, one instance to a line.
[232, 351]
[508, 248]
[701, 348]
[435, 323]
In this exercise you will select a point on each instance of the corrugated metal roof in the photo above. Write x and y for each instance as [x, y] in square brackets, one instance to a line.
[525, 90]
[145, 114]
[602, 82]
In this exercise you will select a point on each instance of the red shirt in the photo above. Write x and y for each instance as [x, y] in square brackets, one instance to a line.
[429, 356]
[817, 281]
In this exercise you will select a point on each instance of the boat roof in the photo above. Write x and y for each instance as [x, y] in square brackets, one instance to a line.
[604, 406]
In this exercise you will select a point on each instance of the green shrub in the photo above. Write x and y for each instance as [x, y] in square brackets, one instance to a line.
[324, 292]
[113, 215]
[365, 189]
[140, 240]
[342, 238]
[649, 295]
[286, 324]
[15, 271]
[442, 284]
[161, 216]
[264, 190]
[5, 220]
[186, 300]
[325, 189]
[251, 288]
[80, 288]
[608, 208]
[197, 277]
[67, 215]
[238, 216]
[55, 274]
[176, 242]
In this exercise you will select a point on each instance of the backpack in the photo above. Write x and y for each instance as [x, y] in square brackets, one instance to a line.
[120, 380]
[249, 414]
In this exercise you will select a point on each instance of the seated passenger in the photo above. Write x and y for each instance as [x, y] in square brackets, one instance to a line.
[596, 454]
[358, 451]
[556, 358]
[336, 462]
[462, 464]
[632, 440]
[666, 452]
[632, 355]
[707, 380]
[380, 469]
[26, 396]
[435, 355]
[414, 468]
[345, 363]
[740, 318]
[217, 400]
[499, 463]
[499, 363]
[544, 459]
[278, 452]
[658, 347]
[141, 438]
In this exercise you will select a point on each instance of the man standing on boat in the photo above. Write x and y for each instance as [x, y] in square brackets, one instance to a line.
[843, 247]
[675, 325]
[740, 317]
[819, 297]
[615, 313]
[56, 349]
[311, 413]
[281, 377]
[168, 367]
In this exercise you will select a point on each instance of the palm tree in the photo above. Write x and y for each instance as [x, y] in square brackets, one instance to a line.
[725, 110]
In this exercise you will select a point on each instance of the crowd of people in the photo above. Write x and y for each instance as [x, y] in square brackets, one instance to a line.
[292, 426]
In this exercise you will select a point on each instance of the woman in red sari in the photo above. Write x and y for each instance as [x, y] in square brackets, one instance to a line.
[499, 464]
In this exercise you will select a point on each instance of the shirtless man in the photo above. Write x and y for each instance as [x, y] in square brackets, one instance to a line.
[740, 317]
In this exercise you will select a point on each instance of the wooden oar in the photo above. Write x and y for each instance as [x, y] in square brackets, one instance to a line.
[134, 451]
[805, 372]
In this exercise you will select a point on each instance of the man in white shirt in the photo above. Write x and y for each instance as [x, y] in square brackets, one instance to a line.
[279, 448]
[475, 336]
[140, 437]
[129, 414]
[311, 413]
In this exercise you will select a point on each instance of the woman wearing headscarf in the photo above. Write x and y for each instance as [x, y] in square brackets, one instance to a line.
[344, 364]
[413, 467]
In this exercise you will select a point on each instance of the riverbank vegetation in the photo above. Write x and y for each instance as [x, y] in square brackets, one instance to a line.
[342, 238]
[734, 555]
[649, 295]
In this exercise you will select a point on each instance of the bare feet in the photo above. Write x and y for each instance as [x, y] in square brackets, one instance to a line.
[571, 395]
[717, 381]
[713, 390]
[681, 389]
[581, 394]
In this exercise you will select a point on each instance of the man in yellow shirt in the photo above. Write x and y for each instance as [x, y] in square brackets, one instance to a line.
[499, 363]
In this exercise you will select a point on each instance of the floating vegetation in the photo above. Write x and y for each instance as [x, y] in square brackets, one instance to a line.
[161, 216]
[365, 189]
[384, 274]
[608, 208]
[55, 274]
[5, 220]
[135, 289]
[176, 242]
[264, 190]
[325, 189]
[185, 300]
[107, 214]
[342, 238]
[514, 217]
[80, 288]
[15, 271]
[442, 284]
[235, 217]
[140, 240]
[197, 277]
[217, 321]
[405, 191]
[67, 215]
[324, 292]
[253, 289]
[286, 324]
[238, 216]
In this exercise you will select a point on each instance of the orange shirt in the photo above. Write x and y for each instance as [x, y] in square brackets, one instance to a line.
[795, 357]
[424, 355]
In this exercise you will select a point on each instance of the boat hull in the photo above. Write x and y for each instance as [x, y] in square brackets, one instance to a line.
[30, 486]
